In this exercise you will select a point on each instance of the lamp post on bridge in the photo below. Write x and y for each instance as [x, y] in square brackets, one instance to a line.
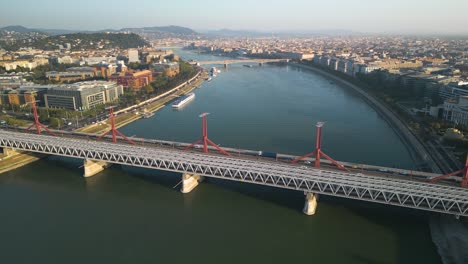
[205, 138]
[318, 150]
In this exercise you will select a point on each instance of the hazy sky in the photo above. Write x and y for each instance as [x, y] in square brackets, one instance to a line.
[377, 16]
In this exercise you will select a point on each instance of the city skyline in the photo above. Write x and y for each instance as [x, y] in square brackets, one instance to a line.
[395, 17]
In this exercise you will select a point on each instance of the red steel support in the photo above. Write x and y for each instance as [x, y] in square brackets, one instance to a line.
[36, 123]
[463, 172]
[113, 130]
[464, 183]
[318, 144]
[205, 138]
[205, 134]
[318, 151]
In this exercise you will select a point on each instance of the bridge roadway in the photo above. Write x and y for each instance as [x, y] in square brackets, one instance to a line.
[388, 190]
[226, 62]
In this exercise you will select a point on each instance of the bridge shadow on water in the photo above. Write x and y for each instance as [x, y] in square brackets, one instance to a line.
[286, 198]
[72, 167]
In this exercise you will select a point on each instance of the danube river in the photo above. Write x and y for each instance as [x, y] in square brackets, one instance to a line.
[50, 214]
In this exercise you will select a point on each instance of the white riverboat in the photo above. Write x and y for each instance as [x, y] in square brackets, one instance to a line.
[183, 100]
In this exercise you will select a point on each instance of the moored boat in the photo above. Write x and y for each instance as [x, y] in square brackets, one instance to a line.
[183, 100]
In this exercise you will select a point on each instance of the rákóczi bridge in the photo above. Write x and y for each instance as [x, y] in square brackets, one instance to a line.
[415, 190]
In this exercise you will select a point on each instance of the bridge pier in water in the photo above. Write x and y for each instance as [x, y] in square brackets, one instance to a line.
[93, 167]
[189, 182]
[310, 205]
[225, 65]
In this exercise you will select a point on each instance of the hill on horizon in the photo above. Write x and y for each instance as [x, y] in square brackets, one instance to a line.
[80, 41]
[171, 29]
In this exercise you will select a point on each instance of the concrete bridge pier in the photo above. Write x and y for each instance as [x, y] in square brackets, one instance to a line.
[190, 181]
[260, 64]
[8, 152]
[310, 204]
[93, 167]
[225, 65]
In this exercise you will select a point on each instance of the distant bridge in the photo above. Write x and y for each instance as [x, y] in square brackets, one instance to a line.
[227, 62]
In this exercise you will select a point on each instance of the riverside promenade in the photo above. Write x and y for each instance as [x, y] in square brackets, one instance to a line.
[132, 113]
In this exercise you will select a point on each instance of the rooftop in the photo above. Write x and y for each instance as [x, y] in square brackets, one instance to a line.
[79, 86]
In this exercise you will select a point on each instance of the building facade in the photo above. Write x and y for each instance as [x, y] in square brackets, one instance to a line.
[69, 75]
[133, 55]
[82, 95]
[170, 69]
[456, 111]
[133, 80]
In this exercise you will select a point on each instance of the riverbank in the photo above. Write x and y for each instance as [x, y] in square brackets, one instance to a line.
[130, 114]
[123, 117]
[18, 160]
[415, 147]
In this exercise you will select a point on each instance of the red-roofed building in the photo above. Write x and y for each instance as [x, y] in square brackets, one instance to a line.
[133, 80]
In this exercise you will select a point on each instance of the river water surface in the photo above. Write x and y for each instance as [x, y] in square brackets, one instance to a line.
[50, 214]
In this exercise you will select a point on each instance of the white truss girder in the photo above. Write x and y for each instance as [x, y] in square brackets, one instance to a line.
[391, 191]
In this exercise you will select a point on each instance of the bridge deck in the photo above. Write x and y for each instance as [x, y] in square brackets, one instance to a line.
[392, 191]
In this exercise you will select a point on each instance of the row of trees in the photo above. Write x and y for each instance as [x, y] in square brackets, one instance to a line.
[11, 121]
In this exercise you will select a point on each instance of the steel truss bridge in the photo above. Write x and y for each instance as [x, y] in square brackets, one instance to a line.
[227, 62]
[390, 190]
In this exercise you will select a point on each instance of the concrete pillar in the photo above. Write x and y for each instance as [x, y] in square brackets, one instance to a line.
[7, 152]
[225, 65]
[310, 203]
[190, 181]
[92, 167]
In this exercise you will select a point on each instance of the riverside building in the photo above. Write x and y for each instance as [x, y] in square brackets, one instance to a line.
[456, 110]
[77, 96]
[132, 80]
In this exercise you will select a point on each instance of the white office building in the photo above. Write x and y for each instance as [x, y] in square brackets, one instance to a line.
[133, 55]
[457, 110]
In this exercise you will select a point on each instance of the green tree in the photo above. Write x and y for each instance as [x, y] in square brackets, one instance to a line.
[148, 89]
[55, 122]
[15, 122]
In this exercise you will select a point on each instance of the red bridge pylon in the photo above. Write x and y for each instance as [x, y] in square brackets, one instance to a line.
[463, 172]
[36, 123]
[205, 138]
[318, 151]
[113, 129]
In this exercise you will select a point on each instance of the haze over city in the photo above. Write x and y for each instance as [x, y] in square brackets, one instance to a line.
[398, 16]
[204, 131]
